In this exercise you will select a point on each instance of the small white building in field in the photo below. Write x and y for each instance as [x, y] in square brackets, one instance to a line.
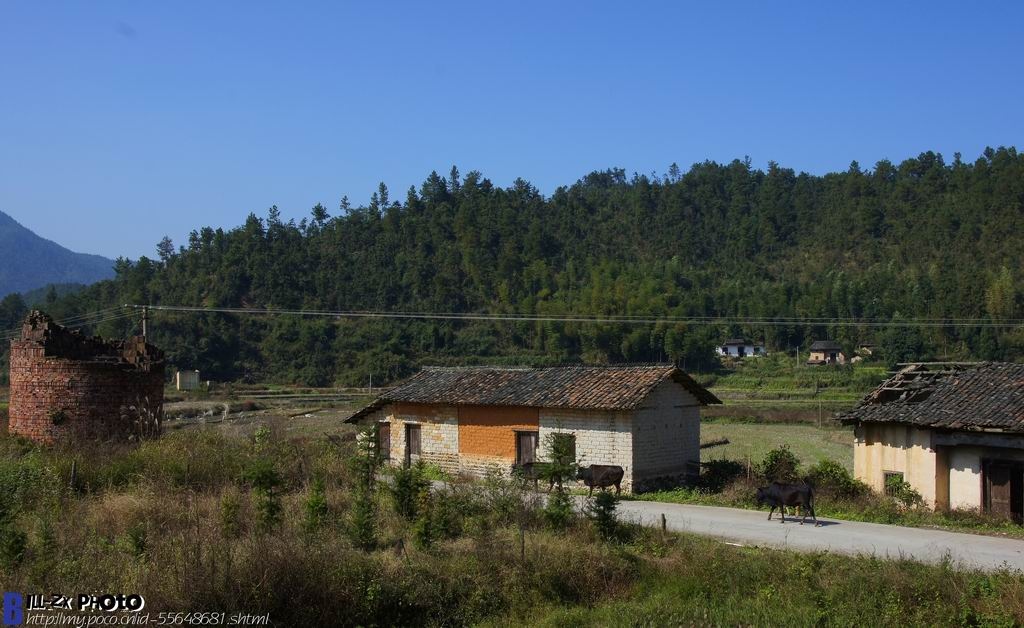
[645, 419]
[954, 432]
[186, 380]
[740, 348]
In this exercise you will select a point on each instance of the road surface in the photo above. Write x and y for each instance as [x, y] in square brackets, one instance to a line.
[751, 527]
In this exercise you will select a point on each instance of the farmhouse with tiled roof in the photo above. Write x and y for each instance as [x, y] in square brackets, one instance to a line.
[645, 419]
[955, 432]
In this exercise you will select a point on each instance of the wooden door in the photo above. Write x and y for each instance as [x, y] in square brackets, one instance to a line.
[1004, 489]
[384, 441]
[412, 443]
[526, 447]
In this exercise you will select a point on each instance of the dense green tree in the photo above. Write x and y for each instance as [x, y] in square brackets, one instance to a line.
[924, 238]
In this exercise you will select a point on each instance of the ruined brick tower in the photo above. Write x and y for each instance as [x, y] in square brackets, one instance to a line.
[66, 385]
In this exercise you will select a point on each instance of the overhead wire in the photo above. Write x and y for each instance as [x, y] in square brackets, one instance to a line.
[590, 318]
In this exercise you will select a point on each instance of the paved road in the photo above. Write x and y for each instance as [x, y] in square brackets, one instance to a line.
[751, 527]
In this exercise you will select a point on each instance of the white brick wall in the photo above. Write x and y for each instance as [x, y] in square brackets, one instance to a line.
[666, 435]
[602, 437]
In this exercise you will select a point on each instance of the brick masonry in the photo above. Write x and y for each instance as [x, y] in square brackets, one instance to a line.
[658, 442]
[65, 385]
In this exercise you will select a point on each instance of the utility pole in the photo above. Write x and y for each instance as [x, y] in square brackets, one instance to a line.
[145, 320]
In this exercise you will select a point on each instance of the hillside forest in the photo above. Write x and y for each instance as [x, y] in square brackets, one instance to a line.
[920, 239]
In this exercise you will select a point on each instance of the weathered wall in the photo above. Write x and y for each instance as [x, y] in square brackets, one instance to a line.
[947, 474]
[439, 432]
[53, 398]
[965, 468]
[602, 437]
[880, 447]
[666, 437]
[487, 435]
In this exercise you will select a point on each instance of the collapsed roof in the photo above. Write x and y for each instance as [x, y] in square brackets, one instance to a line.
[985, 396]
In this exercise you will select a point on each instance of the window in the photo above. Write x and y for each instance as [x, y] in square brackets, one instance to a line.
[893, 480]
[565, 444]
[384, 440]
[526, 447]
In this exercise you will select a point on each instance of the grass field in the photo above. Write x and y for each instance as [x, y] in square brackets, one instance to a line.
[201, 520]
[751, 441]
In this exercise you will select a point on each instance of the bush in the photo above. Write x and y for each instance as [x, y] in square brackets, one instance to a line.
[904, 494]
[316, 509]
[558, 511]
[715, 475]
[230, 521]
[780, 465]
[602, 512]
[362, 526]
[831, 477]
[265, 480]
[407, 484]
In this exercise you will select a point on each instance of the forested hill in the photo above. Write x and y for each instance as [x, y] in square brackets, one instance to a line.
[920, 239]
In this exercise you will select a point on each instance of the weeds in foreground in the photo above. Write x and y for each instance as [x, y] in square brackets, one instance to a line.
[196, 542]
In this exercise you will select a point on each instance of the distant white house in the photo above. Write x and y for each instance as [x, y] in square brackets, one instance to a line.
[186, 380]
[740, 348]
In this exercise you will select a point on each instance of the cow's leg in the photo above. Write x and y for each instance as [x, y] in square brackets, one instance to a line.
[782, 511]
[618, 489]
[803, 511]
[591, 494]
[770, 513]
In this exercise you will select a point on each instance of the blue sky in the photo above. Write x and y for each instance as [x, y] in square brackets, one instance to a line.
[121, 122]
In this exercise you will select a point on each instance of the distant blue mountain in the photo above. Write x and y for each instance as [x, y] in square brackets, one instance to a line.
[28, 261]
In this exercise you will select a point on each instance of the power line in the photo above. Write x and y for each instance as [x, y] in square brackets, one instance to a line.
[587, 318]
[93, 318]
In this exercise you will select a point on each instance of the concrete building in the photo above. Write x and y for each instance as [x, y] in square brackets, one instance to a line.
[645, 419]
[186, 380]
[955, 432]
[740, 348]
[826, 352]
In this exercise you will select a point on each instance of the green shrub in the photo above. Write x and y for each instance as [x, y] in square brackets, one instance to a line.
[362, 525]
[265, 481]
[779, 465]
[230, 521]
[407, 484]
[833, 478]
[558, 512]
[715, 475]
[316, 508]
[423, 528]
[602, 513]
[901, 490]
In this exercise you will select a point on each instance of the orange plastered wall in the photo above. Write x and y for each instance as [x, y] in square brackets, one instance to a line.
[490, 430]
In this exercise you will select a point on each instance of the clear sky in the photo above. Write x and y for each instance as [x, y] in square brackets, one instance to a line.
[121, 122]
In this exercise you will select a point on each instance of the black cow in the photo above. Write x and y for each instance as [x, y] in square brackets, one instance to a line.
[532, 471]
[780, 495]
[601, 476]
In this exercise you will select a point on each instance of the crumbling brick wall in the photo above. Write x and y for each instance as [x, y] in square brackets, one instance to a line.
[66, 385]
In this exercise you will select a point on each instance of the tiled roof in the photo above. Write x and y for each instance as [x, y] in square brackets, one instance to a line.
[826, 345]
[982, 396]
[580, 387]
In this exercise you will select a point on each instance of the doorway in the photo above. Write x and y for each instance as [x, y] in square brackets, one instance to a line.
[526, 447]
[412, 444]
[1003, 482]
